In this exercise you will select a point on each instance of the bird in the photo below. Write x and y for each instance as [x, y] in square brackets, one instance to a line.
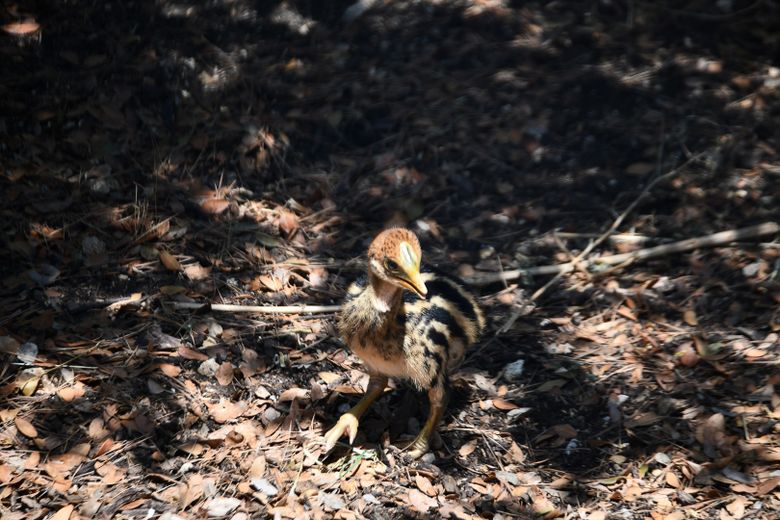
[408, 321]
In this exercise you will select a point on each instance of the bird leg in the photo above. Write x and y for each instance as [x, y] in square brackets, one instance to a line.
[348, 422]
[437, 397]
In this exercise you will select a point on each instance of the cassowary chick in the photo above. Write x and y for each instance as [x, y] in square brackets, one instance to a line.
[407, 323]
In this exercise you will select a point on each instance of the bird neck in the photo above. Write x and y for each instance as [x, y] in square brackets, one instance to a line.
[385, 296]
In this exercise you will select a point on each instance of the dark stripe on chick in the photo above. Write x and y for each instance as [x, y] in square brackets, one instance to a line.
[438, 338]
[445, 288]
[440, 314]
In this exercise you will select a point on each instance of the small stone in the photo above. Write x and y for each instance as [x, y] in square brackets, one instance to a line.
[486, 252]
[222, 506]
[91, 245]
[663, 285]
[663, 459]
[517, 412]
[513, 371]
[27, 353]
[263, 486]
[751, 270]
[508, 477]
[271, 414]
[332, 501]
[565, 348]
[208, 368]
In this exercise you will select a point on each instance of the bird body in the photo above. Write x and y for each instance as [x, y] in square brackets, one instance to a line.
[422, 340]
[406, 322]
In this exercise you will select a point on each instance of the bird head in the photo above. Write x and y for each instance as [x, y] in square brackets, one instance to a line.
[394, 256]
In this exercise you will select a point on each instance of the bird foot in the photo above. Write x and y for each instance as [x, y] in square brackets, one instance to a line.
[348, 424]
[417, 448]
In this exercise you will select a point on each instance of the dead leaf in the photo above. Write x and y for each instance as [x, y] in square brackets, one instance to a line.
[188, 353]
[468, 448]
[169, 369]
[288, 222]
[169, 261]
[197, 272]
[737, 507]
[63, 513]
[111, 473]
[257, 469]
[689, 317]
[329, 377]
[70, 393]
[421, 502]
[768, 485]
[224, 373]
[503, 404]
[293, 393]
[424, 485]
[225, 411]
[626, 313]
[25, 427]
[21, 29]
[213, 206]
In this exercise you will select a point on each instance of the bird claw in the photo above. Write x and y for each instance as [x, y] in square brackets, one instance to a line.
[348, 424]
[417, 448]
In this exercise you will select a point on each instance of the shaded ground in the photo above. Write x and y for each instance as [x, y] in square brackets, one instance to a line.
[245, 152]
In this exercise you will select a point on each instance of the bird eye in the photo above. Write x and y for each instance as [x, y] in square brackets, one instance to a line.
[391, 265]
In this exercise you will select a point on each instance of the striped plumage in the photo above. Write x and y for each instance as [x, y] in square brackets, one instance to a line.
[420, 334]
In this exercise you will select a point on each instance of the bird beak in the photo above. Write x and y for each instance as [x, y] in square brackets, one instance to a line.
[415, 283]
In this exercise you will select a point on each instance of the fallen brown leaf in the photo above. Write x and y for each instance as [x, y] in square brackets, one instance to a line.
[225, 411]
[169, 261]
[21, 28]
[188, 353]
[169, 369]
[70, 393]
[421, 502]
[25, 427]
[197, 272]
[288, 222]
[503, 404]
[62, 513]
[468, 448]
[213, 206]
[224, 373]
[689, 317]
[424, 485]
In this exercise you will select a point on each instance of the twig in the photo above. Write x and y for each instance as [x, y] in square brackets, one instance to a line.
[577, 261]
[262, 309]
[715, 239]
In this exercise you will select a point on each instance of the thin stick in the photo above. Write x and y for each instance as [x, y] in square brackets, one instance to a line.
[715, 239]
[262, 309]
[577, 261]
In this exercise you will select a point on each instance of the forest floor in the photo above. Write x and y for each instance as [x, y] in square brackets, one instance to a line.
[237, 152]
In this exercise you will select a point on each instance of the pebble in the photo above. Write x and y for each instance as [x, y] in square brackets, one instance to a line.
[513, 371]
[263, 486]
[208, 368]
[332, 501]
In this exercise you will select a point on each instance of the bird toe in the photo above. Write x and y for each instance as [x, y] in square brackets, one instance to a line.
[347, 424]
